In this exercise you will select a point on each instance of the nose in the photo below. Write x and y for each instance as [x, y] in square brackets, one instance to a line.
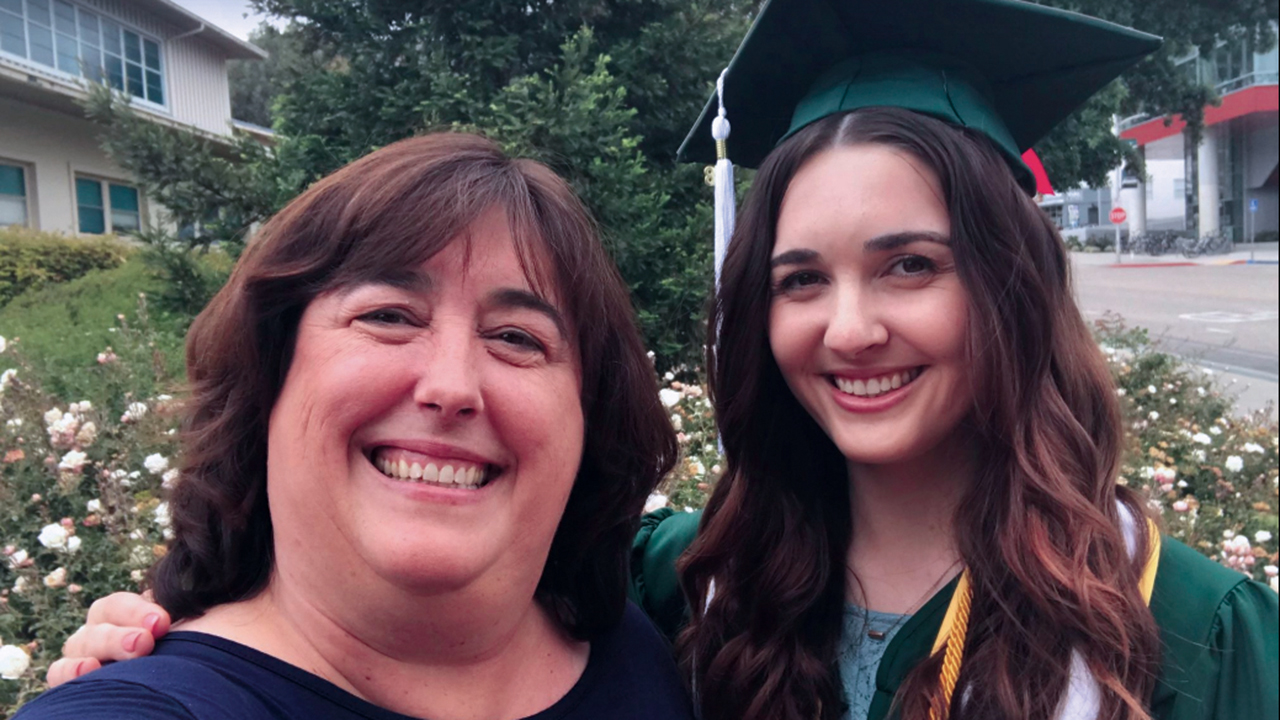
[856, 323]
[449, 382]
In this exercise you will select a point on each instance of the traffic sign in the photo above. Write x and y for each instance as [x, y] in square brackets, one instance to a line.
[1253, 204]
[1118, 215]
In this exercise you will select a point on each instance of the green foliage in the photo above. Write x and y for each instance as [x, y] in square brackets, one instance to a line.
[220, 187]
[255, 84]
[29, 259]
[62, 328]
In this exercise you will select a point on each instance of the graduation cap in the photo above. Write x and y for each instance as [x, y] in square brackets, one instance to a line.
[1011, 70]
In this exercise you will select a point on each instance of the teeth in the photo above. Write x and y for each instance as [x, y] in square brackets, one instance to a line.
[461, 476]
[874, 387]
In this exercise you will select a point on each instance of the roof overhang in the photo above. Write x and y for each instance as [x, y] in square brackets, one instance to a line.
[1256, 99]
[188, 22]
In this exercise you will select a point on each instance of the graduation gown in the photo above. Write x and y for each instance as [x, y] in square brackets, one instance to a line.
[1219, 630]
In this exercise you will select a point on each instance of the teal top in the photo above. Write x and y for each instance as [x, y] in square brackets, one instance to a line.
[1220, 631]
[860, 654]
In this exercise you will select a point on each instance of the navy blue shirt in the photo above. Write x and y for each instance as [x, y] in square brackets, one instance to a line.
[194, 676]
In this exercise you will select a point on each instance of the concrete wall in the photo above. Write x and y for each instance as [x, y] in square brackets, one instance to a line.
[55, 148]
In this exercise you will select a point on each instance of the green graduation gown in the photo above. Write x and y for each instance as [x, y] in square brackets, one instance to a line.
[1220, 630]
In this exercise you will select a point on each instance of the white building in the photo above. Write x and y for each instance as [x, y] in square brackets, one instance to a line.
[53, 174]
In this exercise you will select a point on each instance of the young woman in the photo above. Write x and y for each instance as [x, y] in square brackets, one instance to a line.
[920, 515]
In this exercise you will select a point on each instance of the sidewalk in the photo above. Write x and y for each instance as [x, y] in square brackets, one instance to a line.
[1265, 254]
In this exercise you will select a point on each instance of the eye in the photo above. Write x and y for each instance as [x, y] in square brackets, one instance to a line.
[388, 316]
[518, 340]
[797, 280]
[912, 265]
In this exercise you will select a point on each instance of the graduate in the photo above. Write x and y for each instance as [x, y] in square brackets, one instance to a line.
[920, 516]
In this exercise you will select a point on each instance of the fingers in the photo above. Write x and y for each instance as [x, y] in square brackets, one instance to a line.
[104, 642]
[129, 610]
[68, 669]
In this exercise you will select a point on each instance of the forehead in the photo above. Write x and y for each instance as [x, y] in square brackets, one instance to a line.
[858, 192]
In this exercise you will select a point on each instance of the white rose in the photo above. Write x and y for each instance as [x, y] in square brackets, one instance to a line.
[156, 463]
[88, 433]
[1234, 463]
[14, 661]
[1202, 439]
[1151, 388]
[54, 536]
[162, 514]
[52, 416]
[1254, 448]
[20, 587]
[4, 344]
[6, 379]
[1153, 415]
[73, 544]
[17, 558]
[170, 478]
[1262, 536]
[73, 462]
[669, 397]
[677, 422]
[93, 506]
[656, 501]
[56, 579]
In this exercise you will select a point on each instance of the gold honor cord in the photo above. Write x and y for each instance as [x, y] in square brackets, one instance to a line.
[955, 625]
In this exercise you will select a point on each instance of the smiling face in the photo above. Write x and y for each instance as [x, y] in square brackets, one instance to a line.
[868, 317]
[429, 429]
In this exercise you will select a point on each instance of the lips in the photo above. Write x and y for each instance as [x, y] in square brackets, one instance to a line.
[414, 467]
[875, 385]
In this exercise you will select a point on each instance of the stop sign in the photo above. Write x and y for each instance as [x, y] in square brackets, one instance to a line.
[1118, 215]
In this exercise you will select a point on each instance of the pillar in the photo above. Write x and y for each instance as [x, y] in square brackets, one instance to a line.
[1207, 181]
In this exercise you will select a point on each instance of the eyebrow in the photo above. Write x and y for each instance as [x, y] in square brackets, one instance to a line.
[523, 299]
[412, 280]
[880, 243]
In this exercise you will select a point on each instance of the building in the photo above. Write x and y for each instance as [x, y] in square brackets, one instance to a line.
[1232, 172]
[173, 65]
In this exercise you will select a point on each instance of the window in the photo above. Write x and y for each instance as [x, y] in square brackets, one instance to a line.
[1179, 187]
[97, 201]
[76, 41]
[13, 195]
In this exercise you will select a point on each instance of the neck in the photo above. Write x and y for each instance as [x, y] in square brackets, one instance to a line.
[903, 541]
[450, 655]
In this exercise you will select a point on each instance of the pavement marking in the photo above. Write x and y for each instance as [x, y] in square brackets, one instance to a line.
[1219, 316]
[1223, 331]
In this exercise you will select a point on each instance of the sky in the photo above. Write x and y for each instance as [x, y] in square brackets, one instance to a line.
[230, 15]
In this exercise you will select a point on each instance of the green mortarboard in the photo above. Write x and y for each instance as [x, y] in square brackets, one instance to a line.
[1009, 69]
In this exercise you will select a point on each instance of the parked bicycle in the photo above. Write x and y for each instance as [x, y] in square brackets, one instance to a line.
[1211, 244]
[1157, 242]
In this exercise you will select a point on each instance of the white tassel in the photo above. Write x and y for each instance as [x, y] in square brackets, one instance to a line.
[723, 180]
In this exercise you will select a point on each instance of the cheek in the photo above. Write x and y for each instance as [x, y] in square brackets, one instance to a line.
[788, 337]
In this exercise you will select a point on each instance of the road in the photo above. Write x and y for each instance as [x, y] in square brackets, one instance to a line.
[1223, 317]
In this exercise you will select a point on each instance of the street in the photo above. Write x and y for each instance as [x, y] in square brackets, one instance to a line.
[1222, 317]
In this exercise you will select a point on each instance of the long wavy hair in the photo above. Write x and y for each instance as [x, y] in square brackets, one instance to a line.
[392, 209]
[1040, 528]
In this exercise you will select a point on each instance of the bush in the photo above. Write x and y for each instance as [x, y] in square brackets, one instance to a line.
[30, 260]
[62, 327]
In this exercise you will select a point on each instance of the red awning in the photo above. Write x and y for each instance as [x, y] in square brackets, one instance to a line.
[1037, 168]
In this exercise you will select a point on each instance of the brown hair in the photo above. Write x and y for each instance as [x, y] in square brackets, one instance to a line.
[389, 210]
[1040, 528]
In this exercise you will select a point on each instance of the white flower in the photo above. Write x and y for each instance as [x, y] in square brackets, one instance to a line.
[6, 378]
[73, 544]
[88, 433]
[4, 344]
[134, 413]
[162, 514]
[1228, 534]
[1202, 439]
[669, 397]
[1201, 391]
[135, 575]
[81, 407]
[20, 587]
[1181, 506]
[1262, 536]
[716, 469]
[156, 464]
[1275, 585]
[1120, 392]
[1253, 448]
[1199, 456]
[141, 556]
[17, 558]
[1153, 416]
[1271, 571]
[697, 468]
[93, 506]
[1165, 475]
[54, 536]
[52, 416]
[14, 661]
[170, 478]
[677, 422]
[13, 423]
[1234, 463]
[1173, 401]
[669, 376]
[1215, 430]
[1151, 389]
[56, 579]
[73, 462]
[656, 501]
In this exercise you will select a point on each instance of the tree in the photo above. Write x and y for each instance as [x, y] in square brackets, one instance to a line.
[255, 84]
[1083, 149]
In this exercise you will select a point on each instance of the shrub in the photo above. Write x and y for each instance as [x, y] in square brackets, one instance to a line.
[30, 259]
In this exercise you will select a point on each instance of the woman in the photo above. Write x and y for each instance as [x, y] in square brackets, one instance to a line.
[920, 513]
[406, 489]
